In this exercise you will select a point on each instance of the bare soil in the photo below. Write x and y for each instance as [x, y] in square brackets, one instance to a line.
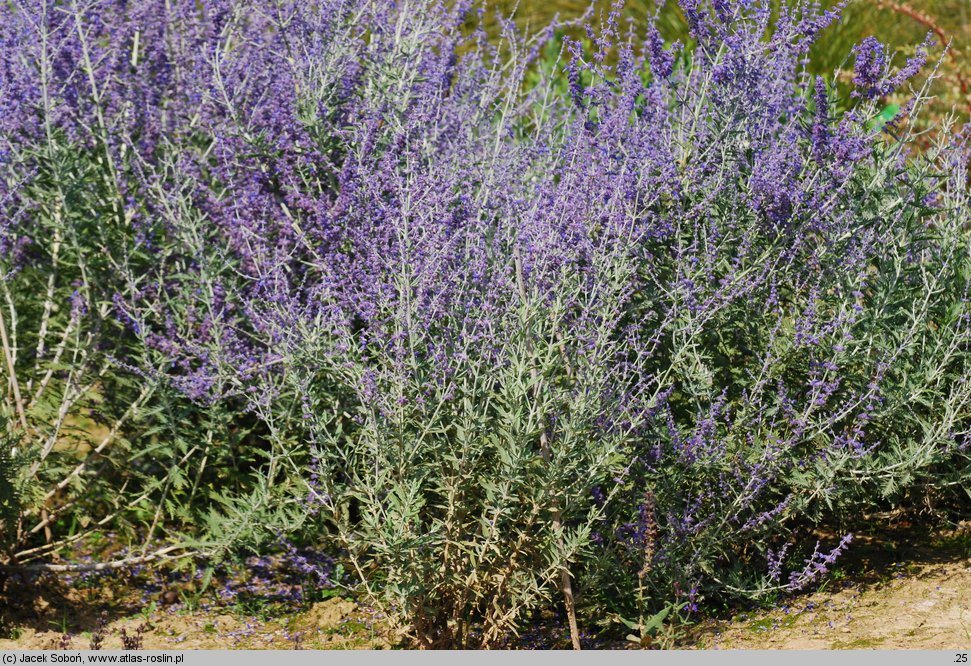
[332, 624]
[921, 607]
[898, 589]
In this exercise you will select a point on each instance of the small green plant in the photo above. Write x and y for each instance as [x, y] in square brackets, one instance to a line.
[148, 612]
[62, 624]
[959, 541]
[191, 600]
[14, 633]
[647, 629]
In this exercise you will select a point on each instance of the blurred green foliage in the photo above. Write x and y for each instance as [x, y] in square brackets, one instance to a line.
[901, 25]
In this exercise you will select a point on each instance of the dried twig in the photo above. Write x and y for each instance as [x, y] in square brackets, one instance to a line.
[8, 355]
[161, 555]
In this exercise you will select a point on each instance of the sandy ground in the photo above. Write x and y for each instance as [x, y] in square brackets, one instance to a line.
[898, 590]
[332, 624]
[920, 607]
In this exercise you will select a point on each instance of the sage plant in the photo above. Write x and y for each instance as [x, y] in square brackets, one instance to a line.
[511, 326]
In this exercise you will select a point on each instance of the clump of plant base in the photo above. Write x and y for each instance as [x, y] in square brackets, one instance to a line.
[512, 323]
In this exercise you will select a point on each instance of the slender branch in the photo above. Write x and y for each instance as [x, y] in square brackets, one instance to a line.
[49, 300]
[18, 401]
[566, 583]
[115, 429]
[55, 361]
[159, 555]
[40, 551]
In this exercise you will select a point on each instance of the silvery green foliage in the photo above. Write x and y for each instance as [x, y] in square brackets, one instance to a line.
[59, 236]
[100, 445]
[511, 324]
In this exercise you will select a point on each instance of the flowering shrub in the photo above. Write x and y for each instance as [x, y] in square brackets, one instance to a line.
[98, 441]
[597, 337]
[58, 234]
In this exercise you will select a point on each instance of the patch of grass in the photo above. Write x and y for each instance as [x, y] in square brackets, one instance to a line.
[148, 612]
[259, 608]
[765, 624]
[857, 644]
[14, 633]
[61, 625]
[352, 627]
[959, 542]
